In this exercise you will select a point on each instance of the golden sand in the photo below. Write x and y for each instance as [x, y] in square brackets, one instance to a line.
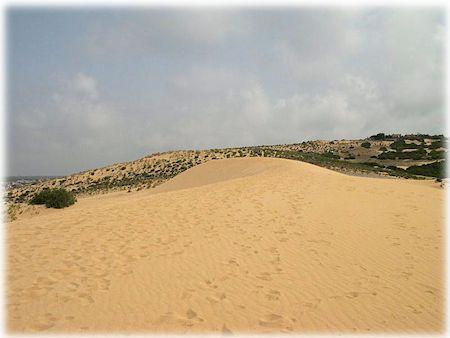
[236, 245]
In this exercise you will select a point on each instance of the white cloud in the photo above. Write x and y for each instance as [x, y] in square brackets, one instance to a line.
[174, 79]
[164, 32]
[227, 108]
[77, 128]
[85, 85]
[210, 27]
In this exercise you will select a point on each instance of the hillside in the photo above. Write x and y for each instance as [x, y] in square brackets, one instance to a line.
[235, 246]
[391, 155]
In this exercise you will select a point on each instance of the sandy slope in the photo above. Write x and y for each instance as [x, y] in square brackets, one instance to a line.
[256, 244]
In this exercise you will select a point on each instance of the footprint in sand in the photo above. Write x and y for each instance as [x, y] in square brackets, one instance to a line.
[274, 320]
[414, 310]
[264, 276]
[352, 294]
[233, 262]
[312, 304]
[191, 314]
[43, 326]
[192, 318]
[86, 298]
[226, 330]
[222, 295]
[35, 292]
[210, 284]
[45, 322]
[429, 289]
[273, 295]
[186, 295]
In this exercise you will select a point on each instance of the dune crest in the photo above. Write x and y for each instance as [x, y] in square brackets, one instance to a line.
[221, 170]
[235, 246]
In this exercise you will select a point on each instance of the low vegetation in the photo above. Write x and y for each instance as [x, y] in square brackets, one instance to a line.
[54, 198]
[435, 169]
[419, 154]
[379, 154]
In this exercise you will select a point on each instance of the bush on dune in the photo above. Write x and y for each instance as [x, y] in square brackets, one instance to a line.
[435, 169]
[54, 198]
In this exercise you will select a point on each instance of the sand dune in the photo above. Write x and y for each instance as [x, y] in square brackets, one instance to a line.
[238, 245]
[218, 171]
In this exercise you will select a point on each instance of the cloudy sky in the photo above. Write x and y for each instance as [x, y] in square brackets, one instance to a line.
[91, 87]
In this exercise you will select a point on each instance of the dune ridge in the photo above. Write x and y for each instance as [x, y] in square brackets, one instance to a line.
[215, 172]
[236, 245]
[375, 156]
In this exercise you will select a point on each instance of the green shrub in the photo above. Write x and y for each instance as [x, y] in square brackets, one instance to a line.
[329, 154]
[436, 155]
[400, 144]
[54, 198]
[40, 197]
[435, 169]
[419, 154]
[437, 144]
[379, 136]
[372, 164]
[365, 145]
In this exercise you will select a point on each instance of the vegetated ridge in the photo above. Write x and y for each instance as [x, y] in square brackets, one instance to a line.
[415, 156]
